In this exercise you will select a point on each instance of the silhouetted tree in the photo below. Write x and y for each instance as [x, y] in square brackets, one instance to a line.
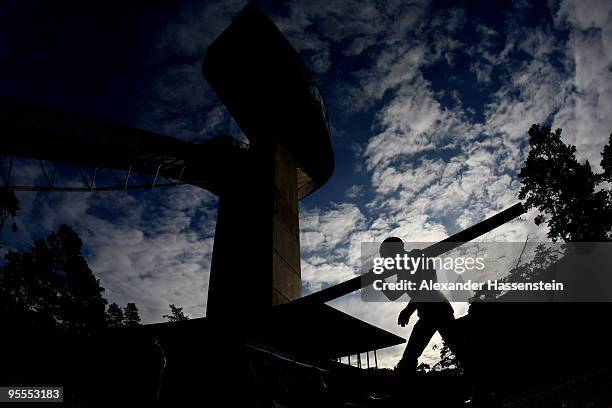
[131, 317]
[9, 205]
[51, 285]
[532, 271]
[448, 361]
[568, 194]
[606, 161]
[114, 316]
[177, 314]
[83, 303]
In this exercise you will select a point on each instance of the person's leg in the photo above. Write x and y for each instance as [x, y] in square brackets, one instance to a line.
[419, 338]
[455, 336]
[447, 327]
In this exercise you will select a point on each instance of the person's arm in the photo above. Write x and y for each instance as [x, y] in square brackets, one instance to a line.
[404, 316]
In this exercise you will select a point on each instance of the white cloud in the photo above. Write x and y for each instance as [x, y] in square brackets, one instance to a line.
[315, 277]
[586, 116]
[314, 25]
[154, 248]
[329, 229]
[177, 100]
[354, 191]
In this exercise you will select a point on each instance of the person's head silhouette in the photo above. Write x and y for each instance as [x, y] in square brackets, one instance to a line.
[391, 247]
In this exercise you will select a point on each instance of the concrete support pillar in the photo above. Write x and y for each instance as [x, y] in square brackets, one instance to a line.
[256, 254]
[286, 271]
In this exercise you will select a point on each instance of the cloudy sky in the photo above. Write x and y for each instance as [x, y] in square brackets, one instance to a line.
[429, 102]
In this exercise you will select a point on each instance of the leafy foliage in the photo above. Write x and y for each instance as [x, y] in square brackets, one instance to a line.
[114, 316]
[532, 271]
[131, 317]
[448, 361]
[606, 161]
[176, 315]
[51, 286]
[9, 206]
[570, 197]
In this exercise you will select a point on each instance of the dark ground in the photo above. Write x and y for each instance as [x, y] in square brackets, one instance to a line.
[538, 355]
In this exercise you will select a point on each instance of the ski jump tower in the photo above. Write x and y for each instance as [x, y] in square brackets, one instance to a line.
[270, 93]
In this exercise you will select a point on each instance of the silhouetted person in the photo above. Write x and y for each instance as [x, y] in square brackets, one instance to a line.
[434, 310]
[435, 314]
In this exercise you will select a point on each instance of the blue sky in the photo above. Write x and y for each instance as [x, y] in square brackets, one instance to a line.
[429, 102]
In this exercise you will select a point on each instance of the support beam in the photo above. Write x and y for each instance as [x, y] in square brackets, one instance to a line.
[437, 249]
[43, 133]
